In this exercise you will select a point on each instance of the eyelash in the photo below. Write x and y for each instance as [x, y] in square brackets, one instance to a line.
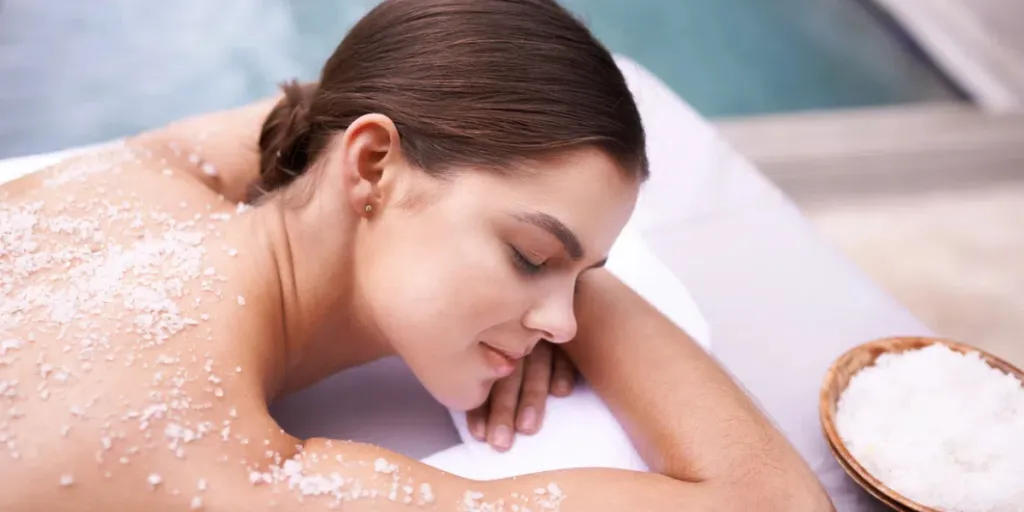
[523, 264]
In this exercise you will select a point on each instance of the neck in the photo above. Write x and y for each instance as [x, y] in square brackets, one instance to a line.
[323, 327]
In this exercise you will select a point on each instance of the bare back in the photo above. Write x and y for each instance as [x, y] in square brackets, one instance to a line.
[127, 375]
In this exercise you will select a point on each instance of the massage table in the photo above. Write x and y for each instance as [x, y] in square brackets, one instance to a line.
[714, 246]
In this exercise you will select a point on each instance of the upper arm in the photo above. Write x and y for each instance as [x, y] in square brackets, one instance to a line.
[218, 149]
[361, 477]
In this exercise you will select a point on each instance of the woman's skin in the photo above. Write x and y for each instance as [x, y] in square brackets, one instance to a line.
[154, 395]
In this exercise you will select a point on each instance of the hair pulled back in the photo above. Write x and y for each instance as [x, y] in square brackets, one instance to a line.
[466, 82]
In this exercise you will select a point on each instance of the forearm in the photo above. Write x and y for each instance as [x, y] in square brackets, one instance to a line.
[688, 419]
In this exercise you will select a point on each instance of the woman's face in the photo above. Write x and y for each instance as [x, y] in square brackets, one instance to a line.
[464, 275]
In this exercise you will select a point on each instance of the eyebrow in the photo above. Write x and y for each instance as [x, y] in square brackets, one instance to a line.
[560, 231]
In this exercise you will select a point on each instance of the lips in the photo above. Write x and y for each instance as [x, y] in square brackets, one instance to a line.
[501, 361]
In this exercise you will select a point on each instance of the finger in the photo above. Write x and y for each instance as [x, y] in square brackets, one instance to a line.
[563, 374]
[504, 397]
[476, 420]
[536, 382]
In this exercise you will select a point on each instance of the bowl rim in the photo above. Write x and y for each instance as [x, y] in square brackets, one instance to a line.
[826, 414]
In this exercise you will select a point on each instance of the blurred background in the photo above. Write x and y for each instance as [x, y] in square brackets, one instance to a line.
[896, 125]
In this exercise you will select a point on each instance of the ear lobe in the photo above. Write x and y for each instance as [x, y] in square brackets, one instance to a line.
[371, 148]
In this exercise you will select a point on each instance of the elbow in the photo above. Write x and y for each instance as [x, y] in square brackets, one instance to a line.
[806, 500]
[774, 491]
[783, 496]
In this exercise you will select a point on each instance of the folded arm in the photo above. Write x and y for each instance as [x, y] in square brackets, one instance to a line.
[707, 444]
[686, 416]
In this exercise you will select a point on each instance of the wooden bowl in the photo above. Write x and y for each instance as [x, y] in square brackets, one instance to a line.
[838, 377]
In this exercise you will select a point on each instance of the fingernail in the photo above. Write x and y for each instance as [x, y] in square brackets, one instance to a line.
[502, 437]
[478, 429]
[528, 419]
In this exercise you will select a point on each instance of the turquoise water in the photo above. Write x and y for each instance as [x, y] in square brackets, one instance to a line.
[86, 71]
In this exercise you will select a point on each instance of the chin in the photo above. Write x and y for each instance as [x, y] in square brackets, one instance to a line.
[467, 398]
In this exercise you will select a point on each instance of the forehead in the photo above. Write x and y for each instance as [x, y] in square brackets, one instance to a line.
[584, 189]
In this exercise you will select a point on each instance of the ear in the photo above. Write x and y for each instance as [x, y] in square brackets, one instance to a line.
[371, 151]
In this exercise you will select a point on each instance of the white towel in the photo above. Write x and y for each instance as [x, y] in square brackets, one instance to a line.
[579, 430]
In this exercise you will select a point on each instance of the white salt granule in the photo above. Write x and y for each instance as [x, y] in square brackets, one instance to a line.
[209, 169]
[67, 479]
[941, 428]
[426, 494]
[381, 465]
[154, 480]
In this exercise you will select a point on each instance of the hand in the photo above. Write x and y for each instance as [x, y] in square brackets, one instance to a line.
[517, 402]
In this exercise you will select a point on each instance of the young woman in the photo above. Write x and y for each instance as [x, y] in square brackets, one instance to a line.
[447, 192]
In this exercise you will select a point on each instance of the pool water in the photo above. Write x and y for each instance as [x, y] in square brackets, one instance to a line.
[79, 72]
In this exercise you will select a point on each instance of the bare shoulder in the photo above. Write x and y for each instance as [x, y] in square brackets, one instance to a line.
[120, 368]
[218, 149]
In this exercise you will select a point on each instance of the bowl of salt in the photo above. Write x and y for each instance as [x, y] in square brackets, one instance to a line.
[928, 425]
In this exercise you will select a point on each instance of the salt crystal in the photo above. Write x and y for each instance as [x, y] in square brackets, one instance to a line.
[554, 490]
[383, 466]
[201, 485]
[193, 158]
[426, 494]
[67, 479]
[939, 427]
[209, 169]
[197, 503]
[11, 344]
[241, 300]
[154, 480]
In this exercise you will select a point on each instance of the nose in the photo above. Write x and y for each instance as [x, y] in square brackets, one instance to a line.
[553, 317]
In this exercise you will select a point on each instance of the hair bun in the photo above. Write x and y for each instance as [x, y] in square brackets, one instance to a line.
[284, 140]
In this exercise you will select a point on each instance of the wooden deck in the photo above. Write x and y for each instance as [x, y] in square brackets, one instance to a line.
[894, 150]
[928, 200]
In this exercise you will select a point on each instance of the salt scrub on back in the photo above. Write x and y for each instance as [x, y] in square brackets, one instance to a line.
[941, 428]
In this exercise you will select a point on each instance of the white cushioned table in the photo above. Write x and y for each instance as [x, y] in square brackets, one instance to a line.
[780, 303]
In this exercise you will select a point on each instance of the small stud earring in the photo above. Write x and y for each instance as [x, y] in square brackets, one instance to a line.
[368, 208]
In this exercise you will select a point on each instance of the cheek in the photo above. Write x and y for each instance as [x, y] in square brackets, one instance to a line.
[447, 286]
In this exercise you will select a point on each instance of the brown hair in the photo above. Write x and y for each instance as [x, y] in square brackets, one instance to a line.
[466, 82]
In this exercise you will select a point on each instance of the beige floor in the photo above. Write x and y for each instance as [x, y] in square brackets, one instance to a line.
[954, 258]
[928, 200]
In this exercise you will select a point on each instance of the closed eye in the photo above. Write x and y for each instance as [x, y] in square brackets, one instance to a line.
[523, 263]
